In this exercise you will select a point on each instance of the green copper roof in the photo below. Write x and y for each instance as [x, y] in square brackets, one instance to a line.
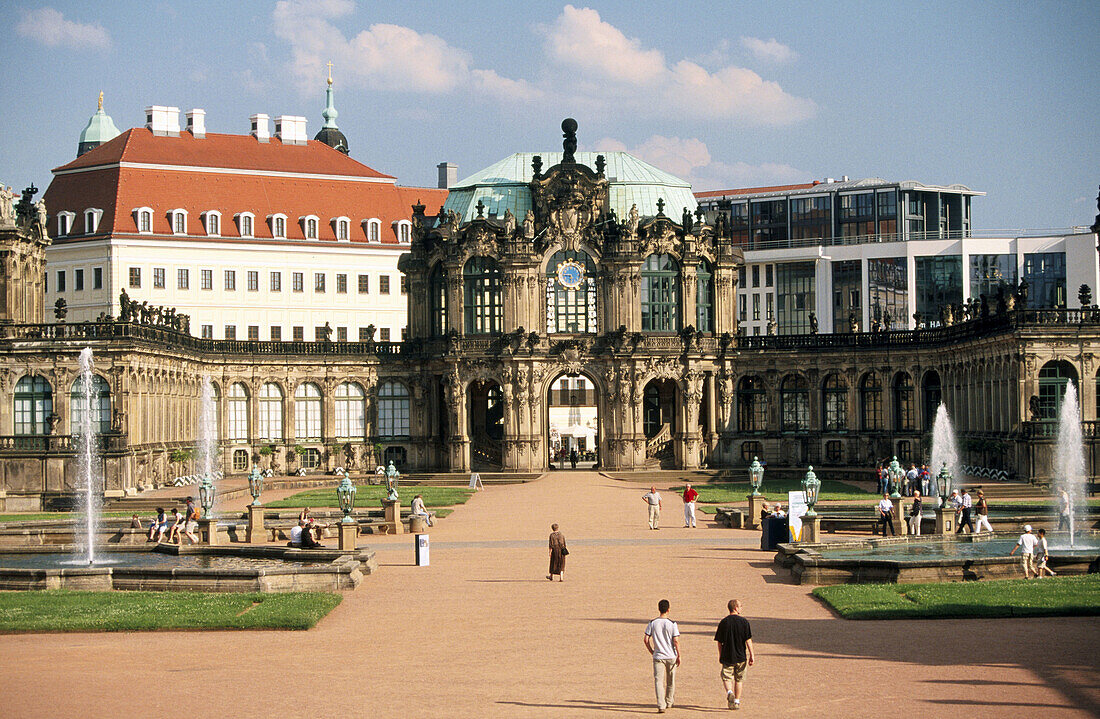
[100, 129]
[503, 185]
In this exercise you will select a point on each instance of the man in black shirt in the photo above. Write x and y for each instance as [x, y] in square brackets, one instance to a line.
[734, 652]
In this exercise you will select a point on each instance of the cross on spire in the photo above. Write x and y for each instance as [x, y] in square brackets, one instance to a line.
[329, 63]
[660, 205]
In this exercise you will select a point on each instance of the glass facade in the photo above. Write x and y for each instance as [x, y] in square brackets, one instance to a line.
[887, 207]
[811, 218]
[769, 222]
[795, 289]
[1045, 274]
[939, 283]
[888, 291]
[572, 307]
[660, 294]
[857, 214]
[988, 273]
[847, 293]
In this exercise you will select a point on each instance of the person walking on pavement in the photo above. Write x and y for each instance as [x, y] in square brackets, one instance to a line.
[558, 552]
[690, 495]
[653, 499]
[735, 654]
[983, 513]
[965, 503]
[886, 514]
[662, 639]
[1028, 541]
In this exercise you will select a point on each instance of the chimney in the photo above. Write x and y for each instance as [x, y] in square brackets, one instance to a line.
[843, 178]
[291, 129]
[196, 123]
[163, 120]
[448, 174]
[260, 129]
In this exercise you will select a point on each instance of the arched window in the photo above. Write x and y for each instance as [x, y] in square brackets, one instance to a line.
[238, 413]
[33, 405]
[1052, 387]
[309, 225]
[660, 294]
[307, 411]
[834, 396]
[571, 292]
[270, 424]
[752, 405]
[932, 395]
[393, 410]
[101, 405]
[351, 411]
[481, 278]
[903, 403]
[437, 300]
[870, 402]
[794, 401]
[704, 298]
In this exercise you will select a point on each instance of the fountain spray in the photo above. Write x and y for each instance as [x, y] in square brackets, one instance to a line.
[88, 465]
[1069, 453]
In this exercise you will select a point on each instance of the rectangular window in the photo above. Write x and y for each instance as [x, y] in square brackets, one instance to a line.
[318, 281]
[253, 281]
[208, 332]
[318, 334]
[364, 336]
[341, 334]
[231, 332]
[404, 333]
[404, 285]
[78, 280]
[741, 276]
[939, 283]
[384, 334]
[1045, 274]
[811, 218]
[254, 332]
[158, 278]
[364, 284]
[276, 333]
[97, 278]
[887, 212]
[342, 284]
[769, 224]
[206, 279]
[61, 281]
[298, 333]
[769, 300]
[135, 278]
[756, 307]
[742, 308]
[768, 278]
[298, 282]
[857, 214]
[795, 288]
[246, 226]
[755, 276]
[384, 285]
[888, 291]
[276, 281]
[183, 279]
[230, 280]
[990, 273]
[847, 283]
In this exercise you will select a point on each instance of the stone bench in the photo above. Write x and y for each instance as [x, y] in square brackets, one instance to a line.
[732, 517]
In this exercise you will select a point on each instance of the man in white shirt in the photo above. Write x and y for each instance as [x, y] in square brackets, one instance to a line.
[911, 480]
[965, 521]
[417, 510]
[886, 514]
[1027, 541]
[653, 499]
[662, 639]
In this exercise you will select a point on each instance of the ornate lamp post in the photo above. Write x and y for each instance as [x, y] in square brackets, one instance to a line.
[346, 494]
[895, 474]
[255, 511]
[206, 495]
[810, 487]
[945, 515]
[944, 479]
[756, 476]
[255, 485]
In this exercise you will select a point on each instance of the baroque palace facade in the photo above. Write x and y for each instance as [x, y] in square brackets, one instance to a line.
[567, 281]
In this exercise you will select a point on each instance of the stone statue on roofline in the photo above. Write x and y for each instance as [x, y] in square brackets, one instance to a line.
[509, 223]
[529, 224]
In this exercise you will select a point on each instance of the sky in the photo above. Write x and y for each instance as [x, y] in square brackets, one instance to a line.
[1001, 97]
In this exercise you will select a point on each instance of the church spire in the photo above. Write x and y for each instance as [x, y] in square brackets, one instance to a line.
[330, 114]
[330, 133]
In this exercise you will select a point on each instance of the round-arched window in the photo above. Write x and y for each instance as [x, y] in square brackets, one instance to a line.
[571, 292]
[660, 294]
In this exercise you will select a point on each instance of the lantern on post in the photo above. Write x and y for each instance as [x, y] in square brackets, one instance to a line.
[206, 495]
[255, 485]
[756, 476]
[346, 494]
[944, 480]
[811, 485]
[895, 473]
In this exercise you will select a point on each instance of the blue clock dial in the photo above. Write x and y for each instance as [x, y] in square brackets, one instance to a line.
[570, 275]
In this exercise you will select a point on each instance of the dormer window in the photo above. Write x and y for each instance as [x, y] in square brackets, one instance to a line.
[278, 226]
[342, 228]
[373, 229]
[404, 230]
[143, 217]
[309, 226]
[244, 223]
[213, 221]
[65, 222]
[178, 220]
[91, 220]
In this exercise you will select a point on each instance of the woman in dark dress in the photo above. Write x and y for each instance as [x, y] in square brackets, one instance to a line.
[557, 554]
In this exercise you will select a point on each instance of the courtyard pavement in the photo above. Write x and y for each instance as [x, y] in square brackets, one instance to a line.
[481, 632]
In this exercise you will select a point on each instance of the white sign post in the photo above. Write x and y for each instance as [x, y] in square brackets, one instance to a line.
[796, 507]
[422, 550]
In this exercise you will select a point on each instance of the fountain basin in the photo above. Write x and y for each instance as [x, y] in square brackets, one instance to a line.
[910, 559]
[191, 568]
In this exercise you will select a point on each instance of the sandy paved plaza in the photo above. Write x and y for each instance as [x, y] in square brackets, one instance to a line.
[482, 633]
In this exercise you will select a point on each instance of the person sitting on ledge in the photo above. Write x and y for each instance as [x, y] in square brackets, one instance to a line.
[158, 526]
[174, 536]
[305, 515]
[308, 541]
[135, 523]
[296, 534]
[417, 510]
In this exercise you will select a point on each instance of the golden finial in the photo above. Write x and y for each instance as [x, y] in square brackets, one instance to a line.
[329, 63]
[100, 99]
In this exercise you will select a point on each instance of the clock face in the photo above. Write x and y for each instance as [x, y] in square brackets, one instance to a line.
[570, 274]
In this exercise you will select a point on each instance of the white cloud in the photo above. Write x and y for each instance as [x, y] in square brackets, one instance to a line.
[769, 50]
[49, 27]
[579, 37]
[690, 159]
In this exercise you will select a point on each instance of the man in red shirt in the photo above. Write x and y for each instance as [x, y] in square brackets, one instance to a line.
[690, 495]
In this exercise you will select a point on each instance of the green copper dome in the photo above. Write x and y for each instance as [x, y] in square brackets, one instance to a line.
[100, 129]
[504, 185]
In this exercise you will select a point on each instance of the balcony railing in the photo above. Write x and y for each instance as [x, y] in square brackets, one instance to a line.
[1043, 429]
[884, 237]
[67, 443]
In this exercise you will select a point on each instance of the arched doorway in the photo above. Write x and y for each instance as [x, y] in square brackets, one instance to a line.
[485, 420]
[1052, 388]
[573, 422]
[659, 422]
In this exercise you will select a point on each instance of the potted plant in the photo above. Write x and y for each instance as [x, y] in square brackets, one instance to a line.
[266, 451]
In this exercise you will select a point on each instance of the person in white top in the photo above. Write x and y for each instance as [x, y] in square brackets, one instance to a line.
[886, 514]
[417, 510]
[653, 499]
[1044, 555]
[1028, 541]
[965, 521]
[662, 639]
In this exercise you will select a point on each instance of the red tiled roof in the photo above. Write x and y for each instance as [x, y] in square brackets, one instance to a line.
[754, 190]
[239, 152]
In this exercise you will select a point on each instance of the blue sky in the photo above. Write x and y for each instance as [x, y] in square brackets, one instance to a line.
[1001, 97]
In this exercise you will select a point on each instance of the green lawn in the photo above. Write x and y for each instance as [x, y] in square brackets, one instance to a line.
[40, 516]
[369, 496]
[72, 611]
[776, 490]
[1051, 596]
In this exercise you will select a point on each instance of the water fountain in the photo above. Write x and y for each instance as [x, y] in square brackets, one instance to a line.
[944, 450]
[1069, 454]
[87, 460]
[208, 431]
